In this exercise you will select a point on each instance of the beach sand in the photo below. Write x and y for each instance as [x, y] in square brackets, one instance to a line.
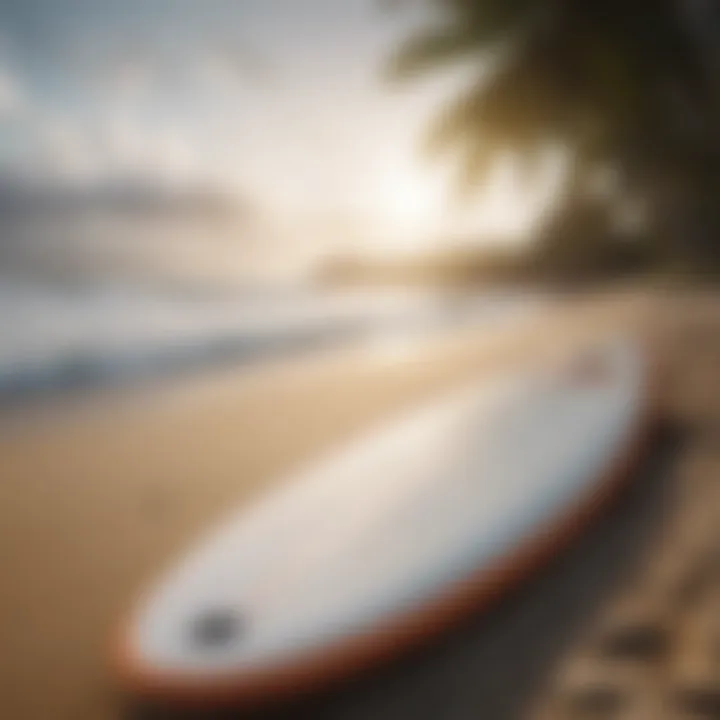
[98, 494]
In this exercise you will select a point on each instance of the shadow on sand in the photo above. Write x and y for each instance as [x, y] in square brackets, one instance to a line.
[492, 666]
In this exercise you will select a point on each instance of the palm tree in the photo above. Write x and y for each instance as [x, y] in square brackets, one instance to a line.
[621, 84]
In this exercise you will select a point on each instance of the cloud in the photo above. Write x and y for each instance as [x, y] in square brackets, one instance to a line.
[66, 150]
[216, 78]
[117, 146]
[133, 80]
[11, 94]
[127, 121]
[248, 64]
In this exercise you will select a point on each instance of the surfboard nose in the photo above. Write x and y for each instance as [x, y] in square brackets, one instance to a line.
[183, 641]
[207, 640]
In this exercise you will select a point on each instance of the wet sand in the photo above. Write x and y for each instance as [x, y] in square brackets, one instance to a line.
[97, 495]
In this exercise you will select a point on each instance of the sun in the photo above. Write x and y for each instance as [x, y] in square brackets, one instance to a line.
[410, 207]
[416, 210]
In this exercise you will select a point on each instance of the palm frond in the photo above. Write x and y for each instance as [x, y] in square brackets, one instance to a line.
[431, 49]
[622, 83]
[472, 28]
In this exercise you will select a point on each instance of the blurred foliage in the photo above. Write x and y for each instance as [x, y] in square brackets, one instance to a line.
[629, 86]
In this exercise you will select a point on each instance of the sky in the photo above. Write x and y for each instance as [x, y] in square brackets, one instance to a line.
[281, 103]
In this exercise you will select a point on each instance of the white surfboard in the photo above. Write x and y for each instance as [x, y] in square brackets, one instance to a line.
[394, 535]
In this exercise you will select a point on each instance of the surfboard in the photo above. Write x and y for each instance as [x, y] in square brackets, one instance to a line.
[394, 536]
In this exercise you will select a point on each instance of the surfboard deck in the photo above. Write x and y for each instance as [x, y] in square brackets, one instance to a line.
[395, 536]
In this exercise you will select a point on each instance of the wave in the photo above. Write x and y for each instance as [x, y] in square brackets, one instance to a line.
[53, 338]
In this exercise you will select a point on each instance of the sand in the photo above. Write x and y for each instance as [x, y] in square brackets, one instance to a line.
[98, 494]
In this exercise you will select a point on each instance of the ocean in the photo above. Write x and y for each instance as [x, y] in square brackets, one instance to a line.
[60, 335]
